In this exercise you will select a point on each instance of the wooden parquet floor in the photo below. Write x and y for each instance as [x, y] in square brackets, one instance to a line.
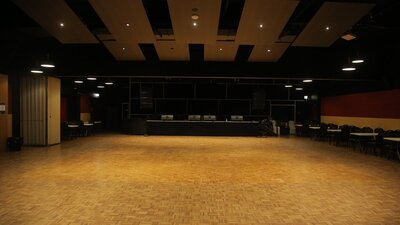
[160, 180]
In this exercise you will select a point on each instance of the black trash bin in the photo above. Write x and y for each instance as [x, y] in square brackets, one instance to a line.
[14, 143]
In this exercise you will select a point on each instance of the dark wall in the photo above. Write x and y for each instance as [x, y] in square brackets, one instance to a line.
[382, 104]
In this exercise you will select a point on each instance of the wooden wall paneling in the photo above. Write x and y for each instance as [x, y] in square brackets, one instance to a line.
[5, 124]
[53, 111]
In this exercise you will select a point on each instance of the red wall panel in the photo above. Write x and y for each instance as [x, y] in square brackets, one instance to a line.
[382, 104]
[85, 104]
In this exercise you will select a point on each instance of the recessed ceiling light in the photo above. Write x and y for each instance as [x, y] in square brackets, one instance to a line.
[348, 68]
[62, 25]
[195, 16]
[305, 97]
[36, 71]
[268, 50]
[91, 78]
[47, 65]
[100, 86]
[123, 49]
[288, 86]
[327, 28]
[128, 25]
[260, 26]
[195, 24]
[358, 61]
[299, 89]
[109, 83]
[307, 81]
[78, 81]
[220, 49]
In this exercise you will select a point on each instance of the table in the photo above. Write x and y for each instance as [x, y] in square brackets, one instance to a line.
[334, 130]
[394, 139]
[333, 133]
[362, 138]
[314, 130]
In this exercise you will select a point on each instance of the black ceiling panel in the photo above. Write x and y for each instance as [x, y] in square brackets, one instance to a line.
[149, 52]
[229, 17]
[243, 53]
[84, 10]
[196, 52]
[158, 14]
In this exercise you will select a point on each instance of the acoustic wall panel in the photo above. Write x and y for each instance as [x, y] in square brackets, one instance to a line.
[33, 110]
[40, 110]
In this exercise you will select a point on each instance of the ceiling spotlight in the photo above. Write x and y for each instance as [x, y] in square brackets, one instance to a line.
[348, 68]
[357, 61]
[305, 97]
[78, 81]
[128, 25]
[260, 26]
[327, 28]
[268, 50]
[307, 81]
[123, 49]
[299, 89]
[100, 86]
[91, 78]
[47, 65]
[195, 16]
[61, 24]
[220, 49]
[109, 83]
[195, 24]
[288, 86]
[36, 71]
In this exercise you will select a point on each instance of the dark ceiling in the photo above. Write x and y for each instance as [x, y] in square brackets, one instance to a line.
[23, 44]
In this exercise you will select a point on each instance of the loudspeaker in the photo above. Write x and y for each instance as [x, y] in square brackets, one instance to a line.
[258, 98]
[146, 98]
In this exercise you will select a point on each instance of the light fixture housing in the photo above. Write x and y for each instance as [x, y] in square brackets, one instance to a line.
[357, 61]
[195, 16]
[307, 81]
[47, 65]
[349, 36]
[36, 71]
[348, 68]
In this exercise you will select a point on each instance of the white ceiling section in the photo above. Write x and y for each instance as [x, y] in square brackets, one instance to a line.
[51, 13]
[116, 14]
[221, 51]
[172, 51]
[272, 14]
[207, 28]
[339, 16]
[123, 52]
[260, 53]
